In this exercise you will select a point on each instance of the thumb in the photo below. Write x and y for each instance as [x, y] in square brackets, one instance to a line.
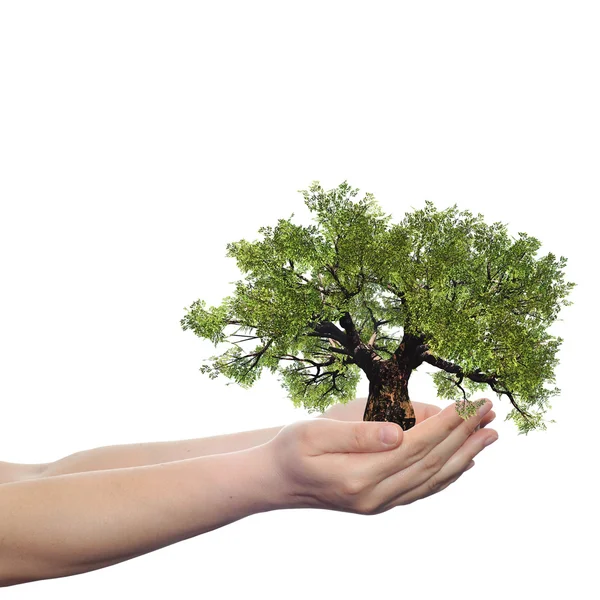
[361, 436]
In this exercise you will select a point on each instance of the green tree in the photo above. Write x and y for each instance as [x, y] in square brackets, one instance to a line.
[440, 287]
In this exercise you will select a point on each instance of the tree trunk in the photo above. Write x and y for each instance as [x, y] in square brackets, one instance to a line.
[388, 394]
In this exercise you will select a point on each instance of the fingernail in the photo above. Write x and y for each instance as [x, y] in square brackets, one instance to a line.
[490, 440]
[471, 465]
[388, 435]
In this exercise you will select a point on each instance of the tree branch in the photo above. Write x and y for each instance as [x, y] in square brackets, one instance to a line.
[380, 349]
[457, 384]
[494, 387]
[340, 351]
[245, 325]
[477, 376]
[364, 356]
[327, 329]
[440, 363]
[324, 291]
[376, 324]
[348, 324]
[333, 271]
[312, 363]
[258, 356]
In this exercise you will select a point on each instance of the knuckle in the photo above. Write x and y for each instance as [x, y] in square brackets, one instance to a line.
[448, 483]
[433, 486]
[304, 433]
[448, 426]
[353, 486]
[368, 508]
[432, 462]
[418, 448]
[472, 427]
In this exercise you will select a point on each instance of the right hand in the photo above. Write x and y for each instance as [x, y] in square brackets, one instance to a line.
[337, 465]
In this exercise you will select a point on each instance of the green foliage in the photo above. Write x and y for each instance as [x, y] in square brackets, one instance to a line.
[466, 408]
[207, 323]
[446, 386]
[316, 398]
[450, 387]
[480, 299]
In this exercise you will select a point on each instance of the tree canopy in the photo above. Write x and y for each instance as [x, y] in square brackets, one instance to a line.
[480, 300]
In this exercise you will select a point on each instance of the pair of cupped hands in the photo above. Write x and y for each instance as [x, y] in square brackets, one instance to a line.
[339, 462]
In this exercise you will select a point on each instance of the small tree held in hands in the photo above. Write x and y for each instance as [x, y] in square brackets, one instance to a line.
[356, 294]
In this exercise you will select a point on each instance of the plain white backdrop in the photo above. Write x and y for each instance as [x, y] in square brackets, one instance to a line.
[138, 138]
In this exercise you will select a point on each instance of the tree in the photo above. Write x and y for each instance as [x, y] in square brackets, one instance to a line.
[440, 287]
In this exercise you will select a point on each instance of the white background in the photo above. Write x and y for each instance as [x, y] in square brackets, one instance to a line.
[138, 138]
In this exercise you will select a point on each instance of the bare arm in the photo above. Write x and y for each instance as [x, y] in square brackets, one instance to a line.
[10, 472]
[135, 455]
[70, 524]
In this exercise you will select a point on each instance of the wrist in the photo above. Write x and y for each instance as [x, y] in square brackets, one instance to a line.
[269, 490]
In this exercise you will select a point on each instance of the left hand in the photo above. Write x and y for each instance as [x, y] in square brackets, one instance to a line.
[355, 409]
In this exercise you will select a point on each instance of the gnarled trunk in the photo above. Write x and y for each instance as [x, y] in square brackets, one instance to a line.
[388, 393]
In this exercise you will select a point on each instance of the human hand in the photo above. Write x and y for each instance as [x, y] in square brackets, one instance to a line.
[337, 465]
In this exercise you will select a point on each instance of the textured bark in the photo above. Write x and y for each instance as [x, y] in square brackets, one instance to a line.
[388, 385]
[388, 394]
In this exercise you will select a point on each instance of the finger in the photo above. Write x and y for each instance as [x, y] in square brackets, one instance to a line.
[466, 453]
[445, 433]
[487, 419]
[424, 411]
[456, 438]
[423, 449]
[451, 471]
[461, 461]
[423, 491]
[332, 436]
[438, 485]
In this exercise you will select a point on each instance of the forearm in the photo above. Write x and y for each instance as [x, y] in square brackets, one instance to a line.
[70, 524]
[152, 453]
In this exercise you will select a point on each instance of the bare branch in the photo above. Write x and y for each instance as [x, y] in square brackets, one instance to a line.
[327, 329]
[348, 324]
[312, 363]
[239, 359]
[244, 325]
[494, 387]
[376, 324]
[248, 337]
[440, 363]
[364, 356]
[457, 384]
[258, 356]
[340, 351]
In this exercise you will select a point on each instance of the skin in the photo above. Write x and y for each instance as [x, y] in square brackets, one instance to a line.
[327, 466]
[152, 453]
[109, 505]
